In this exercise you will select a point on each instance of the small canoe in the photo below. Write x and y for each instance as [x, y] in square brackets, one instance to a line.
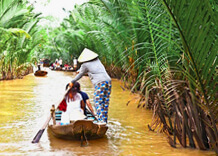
[40, 73]
[78, 129]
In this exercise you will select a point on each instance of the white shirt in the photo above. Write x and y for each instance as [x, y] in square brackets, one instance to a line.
[75, 61]
[60, 62]
[74, 111]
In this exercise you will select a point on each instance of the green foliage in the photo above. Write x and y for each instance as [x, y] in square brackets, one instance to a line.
[197, 25]
[17, 28]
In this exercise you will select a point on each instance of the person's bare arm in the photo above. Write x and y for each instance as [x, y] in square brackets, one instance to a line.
[90, 106]
[82, 71]
[82, 105]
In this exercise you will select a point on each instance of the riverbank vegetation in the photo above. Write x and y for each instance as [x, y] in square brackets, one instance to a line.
[20, 38]
[162, 49]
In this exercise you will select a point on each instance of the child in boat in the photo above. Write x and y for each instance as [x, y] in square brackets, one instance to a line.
[100, 79]
[72, 106]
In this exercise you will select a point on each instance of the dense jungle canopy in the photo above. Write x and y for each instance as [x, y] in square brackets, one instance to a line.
[165, 50]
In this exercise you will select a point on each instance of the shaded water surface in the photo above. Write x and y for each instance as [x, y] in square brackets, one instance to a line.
[25, 105]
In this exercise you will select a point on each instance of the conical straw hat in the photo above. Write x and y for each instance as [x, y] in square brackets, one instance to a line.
[87, 55]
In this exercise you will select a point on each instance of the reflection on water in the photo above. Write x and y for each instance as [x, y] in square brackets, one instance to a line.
[25, 105]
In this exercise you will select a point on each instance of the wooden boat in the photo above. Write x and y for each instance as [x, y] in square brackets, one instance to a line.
[40, 73]
[66, 70]
[79, 129]
[63, 69]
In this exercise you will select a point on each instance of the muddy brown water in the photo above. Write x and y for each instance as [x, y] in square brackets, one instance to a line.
[25, 105]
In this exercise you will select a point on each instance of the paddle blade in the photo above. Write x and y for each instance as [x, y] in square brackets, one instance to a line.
[38, 136]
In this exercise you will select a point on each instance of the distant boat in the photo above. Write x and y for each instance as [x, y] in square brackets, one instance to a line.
[63, 69]
[40, 73]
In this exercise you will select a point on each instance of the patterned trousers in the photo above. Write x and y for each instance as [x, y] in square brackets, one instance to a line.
[101, 100]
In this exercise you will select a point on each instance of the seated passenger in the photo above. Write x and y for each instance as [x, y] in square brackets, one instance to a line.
[85, 99]
[39, 67]
[72, 106]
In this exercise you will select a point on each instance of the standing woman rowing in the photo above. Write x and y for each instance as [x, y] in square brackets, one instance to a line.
[99, 78]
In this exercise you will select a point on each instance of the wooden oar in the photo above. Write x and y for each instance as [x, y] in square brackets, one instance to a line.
[40, 132]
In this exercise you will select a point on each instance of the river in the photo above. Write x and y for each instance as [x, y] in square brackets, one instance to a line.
[25, 105]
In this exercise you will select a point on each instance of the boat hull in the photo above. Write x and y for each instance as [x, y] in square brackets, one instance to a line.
[40, 73]
[79, 128]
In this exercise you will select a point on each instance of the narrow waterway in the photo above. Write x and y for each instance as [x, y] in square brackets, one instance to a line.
[25, 105]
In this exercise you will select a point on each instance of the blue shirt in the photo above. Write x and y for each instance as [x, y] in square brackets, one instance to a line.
[85, 97]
